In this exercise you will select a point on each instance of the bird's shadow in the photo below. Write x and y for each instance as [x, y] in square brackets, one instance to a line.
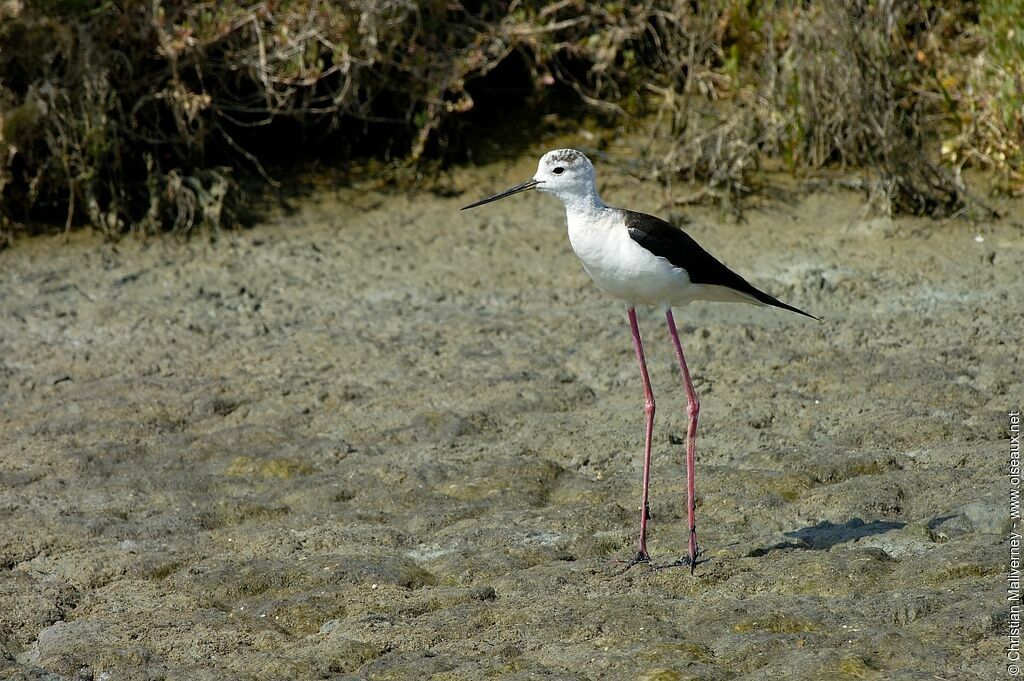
[825, 535]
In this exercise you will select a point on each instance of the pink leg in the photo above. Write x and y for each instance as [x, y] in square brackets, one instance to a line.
[692, 410]
[642, 555]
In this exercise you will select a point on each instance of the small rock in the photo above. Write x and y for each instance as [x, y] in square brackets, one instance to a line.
[986, 516]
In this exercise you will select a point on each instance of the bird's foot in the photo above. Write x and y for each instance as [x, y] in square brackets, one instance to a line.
[686, 561]
[641, 557]
[694, 549]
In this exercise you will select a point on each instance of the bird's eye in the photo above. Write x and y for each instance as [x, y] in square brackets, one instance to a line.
[559, 170]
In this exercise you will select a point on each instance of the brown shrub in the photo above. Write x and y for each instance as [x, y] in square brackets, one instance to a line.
[850, 84]
[129, 115]
[141, 114]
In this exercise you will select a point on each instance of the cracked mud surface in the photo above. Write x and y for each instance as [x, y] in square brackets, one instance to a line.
[381, 439]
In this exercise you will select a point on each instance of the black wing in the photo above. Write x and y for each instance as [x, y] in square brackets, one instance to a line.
[668, 241]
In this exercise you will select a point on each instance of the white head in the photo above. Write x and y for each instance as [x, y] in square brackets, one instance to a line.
[565, 173]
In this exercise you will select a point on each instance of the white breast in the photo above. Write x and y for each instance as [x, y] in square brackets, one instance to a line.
[621, 266]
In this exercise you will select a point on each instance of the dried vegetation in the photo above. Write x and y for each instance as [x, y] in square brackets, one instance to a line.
[145, 114]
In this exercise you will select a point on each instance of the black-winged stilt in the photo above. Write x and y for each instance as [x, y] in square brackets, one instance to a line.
[642, 260]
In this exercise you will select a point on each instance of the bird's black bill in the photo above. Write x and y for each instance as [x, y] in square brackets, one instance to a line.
[529, 184]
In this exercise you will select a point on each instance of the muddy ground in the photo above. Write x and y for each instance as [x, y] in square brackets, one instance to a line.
[378, 438]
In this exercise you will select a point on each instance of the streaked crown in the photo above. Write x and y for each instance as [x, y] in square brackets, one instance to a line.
[565, 173]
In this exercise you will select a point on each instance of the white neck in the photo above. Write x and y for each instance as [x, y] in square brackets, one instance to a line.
[583, 204]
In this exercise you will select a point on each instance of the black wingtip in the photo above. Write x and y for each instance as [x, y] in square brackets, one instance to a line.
[806, 314]
[774, 302]
[765, 299]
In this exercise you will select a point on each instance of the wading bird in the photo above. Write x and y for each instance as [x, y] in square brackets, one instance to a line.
[641, 260]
